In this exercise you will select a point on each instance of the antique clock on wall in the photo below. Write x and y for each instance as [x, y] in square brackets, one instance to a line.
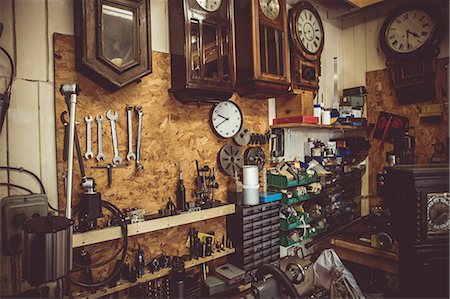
[410, 38]
[306, 39]
[201, 50]
[112, 41]
[262, 55]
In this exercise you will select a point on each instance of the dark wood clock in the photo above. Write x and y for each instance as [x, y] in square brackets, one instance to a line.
[306, 40]
[201, 50]
[262, 55]
[410, 38]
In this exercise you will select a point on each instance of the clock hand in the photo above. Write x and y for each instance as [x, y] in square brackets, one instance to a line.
[221, 123]
[226, 118]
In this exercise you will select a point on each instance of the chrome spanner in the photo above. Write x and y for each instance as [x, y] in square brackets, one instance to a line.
[113, 118]
[131, 155]
[100, 156]
[139, 166]
[89, 154]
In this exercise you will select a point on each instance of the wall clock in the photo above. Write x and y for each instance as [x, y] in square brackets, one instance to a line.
[112, 41]
[226, 119]
[201, 50]
[410, 38]
[307, 40]
[262, 55]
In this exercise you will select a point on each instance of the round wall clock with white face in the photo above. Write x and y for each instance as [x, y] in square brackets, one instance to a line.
[409, 31]
[309, 31]
[209, 5]
[226, 119]
[270, 8]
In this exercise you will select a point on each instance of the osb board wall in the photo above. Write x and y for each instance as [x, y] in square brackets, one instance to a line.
[171, 132]
[381, 97]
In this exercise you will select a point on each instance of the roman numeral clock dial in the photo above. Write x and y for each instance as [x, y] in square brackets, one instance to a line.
[209, 5]
[409, 31]
[309, 31]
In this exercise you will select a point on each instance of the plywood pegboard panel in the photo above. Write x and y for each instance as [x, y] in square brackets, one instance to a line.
[381, 97]
[171, 132]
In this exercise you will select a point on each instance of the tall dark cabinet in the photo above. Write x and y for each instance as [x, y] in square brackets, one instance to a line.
[201, 49]
[418, 198]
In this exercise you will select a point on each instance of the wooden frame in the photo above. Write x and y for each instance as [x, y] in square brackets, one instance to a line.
[89, 57]
[186, 87]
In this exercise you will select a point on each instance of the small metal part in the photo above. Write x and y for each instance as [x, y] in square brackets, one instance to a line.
[230, 159]
[89, 154]
[131, 155]
[139, 166]
[255, 156]
[100, 156]
[110, 167]
[113, 118]
[242, 137]
[298, 271]
[66, 135]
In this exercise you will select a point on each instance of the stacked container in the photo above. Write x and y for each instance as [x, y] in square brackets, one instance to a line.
[251, 185]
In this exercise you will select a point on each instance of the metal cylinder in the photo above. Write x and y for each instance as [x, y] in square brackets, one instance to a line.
[47, 249]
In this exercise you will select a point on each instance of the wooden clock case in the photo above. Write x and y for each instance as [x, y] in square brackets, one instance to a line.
[201, 51]
[262, 55]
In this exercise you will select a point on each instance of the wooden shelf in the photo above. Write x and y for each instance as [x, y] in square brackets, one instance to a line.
[316, 126]
[123, 284]
[112, 233]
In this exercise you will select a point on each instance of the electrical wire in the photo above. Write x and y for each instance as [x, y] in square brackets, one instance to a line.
[32, 174]
[124, 228]
[11, 77]
[17, 186]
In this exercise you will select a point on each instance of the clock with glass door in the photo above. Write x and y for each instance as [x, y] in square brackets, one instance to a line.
[307, 40]
[410, 38]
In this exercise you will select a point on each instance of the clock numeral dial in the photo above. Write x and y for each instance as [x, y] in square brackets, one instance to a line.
[270, 8]
[209, 5]
[309, 31]
[409, 31]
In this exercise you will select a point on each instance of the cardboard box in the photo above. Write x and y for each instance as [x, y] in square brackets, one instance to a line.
[295, 105]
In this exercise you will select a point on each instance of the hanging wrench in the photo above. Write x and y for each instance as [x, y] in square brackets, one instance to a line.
[113, 118]
[66, 136]
[139, 166]
[130, 155]
[89, 154]
[100, 155]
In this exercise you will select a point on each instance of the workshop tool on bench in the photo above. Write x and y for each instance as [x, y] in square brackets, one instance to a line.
[89, 154]
[109, 168]
[255, 156]
[140, 262]
[113, 118]
[242, 137]
[100, 156]
[131, 155]
[139, 166]
[181, 192]
[230, 159]
[205, 182]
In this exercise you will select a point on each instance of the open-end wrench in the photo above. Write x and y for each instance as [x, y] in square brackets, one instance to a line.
[131, 155]
[139, 166]
[113, 118]
[100, 155]
[89, 154]
[66, 135]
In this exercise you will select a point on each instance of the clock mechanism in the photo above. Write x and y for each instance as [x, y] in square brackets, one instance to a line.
[306, 37]
[438, 207]
[410, 38]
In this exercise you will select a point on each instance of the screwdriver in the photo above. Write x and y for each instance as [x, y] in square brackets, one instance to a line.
[181, 192]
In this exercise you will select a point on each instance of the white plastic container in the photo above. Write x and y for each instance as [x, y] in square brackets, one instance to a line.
[251, 175]
[251, 195]
[317, 111]
[326, 117]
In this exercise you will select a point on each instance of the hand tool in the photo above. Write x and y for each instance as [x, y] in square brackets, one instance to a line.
[89, 154]
[113, 118]
[70, 93]
[66, 135]
[181, 192]
[131, 155]
[139, 166]
[110, 167]
[100, 156]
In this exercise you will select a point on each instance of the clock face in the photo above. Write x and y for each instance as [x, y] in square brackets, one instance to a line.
[438, 213]
[226, 119]
[209, 5]
[270, 8]
[309, 31]
[409, 31]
